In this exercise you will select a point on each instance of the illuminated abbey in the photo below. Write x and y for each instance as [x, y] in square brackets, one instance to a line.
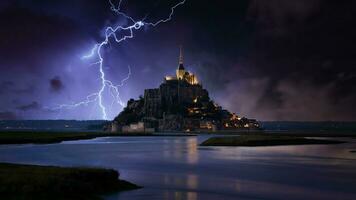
[180, 103]
[182, 74]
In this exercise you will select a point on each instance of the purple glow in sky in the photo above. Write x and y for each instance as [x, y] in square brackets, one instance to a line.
[275, 60]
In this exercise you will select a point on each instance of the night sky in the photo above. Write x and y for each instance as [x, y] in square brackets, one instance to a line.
[269, 60]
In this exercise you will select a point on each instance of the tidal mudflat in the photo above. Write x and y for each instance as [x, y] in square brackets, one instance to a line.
[178, 168]
[264, 140]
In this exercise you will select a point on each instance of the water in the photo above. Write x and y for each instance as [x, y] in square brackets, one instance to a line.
[97, 125]
[51, 125]
[177, 168]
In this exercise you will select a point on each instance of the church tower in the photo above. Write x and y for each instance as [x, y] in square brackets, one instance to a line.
[180, 71]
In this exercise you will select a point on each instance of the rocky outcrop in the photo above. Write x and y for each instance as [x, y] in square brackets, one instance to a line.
[179, 106]
[180, 103]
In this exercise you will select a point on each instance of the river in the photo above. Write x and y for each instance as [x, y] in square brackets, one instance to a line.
[178, 168]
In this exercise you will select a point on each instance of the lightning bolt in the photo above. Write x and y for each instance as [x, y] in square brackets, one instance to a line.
[96, 51]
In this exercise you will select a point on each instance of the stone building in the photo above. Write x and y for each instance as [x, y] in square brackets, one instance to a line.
[153, 103]
[180, 103]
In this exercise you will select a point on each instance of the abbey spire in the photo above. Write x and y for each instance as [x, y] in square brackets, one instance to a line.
[180, 72]
[180, 66]
[181, 55]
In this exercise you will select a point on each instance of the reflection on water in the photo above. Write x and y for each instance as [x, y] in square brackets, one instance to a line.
[179, 150]
[192, 154]
[177, 168]
[180, 195]
[190, 180]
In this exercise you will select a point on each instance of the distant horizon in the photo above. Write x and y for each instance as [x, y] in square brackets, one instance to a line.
[111, 120]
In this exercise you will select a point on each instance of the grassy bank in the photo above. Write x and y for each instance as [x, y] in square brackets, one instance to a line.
[264, 140]
[285, 133]
[41, 137]
[46, 137]
[45, 182]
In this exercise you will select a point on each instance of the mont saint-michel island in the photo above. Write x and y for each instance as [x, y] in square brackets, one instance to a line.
[181, 104]
[99, 100]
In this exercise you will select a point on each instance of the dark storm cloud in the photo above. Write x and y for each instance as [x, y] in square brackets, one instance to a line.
[8, 87]
[28, 89]
[278, 17]
[6, 115]
[31, 106]
[56, 84]
[5, 86]
[288, 99]
[281, 59]
[275, 59]
[29, 37]
[306, 48]
[35, 45]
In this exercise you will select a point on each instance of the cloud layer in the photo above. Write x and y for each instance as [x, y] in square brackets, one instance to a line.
[270, 60]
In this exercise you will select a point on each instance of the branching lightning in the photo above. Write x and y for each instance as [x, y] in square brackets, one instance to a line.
[96, 51]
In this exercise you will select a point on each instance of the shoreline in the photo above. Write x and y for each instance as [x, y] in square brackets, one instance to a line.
[265, 140]
[51, 137]
[20, 181]
[48, 137]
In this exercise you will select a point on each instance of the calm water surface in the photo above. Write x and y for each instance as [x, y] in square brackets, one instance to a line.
[177, 168]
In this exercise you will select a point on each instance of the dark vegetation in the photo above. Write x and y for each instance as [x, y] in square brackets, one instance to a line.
[132, 113]
[46, 137]
[52, 125]
[351, 134]
[264, 140]
[46, 182]
[39, 137]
